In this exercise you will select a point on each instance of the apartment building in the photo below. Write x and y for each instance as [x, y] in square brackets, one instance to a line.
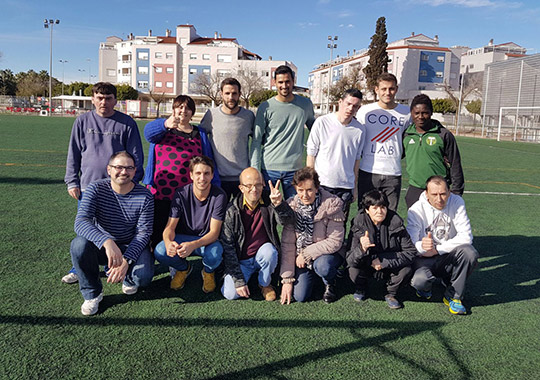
[475, 60]
[171, 64]
[418, 62]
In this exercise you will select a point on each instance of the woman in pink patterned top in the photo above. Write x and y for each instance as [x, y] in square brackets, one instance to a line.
[173, 142]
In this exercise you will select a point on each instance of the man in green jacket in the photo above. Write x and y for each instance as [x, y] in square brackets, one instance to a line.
[430, 149]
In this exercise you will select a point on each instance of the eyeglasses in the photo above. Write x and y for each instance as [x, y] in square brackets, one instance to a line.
[250, 186]
[121, 167]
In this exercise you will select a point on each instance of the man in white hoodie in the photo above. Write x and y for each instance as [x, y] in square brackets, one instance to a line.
[441, 231]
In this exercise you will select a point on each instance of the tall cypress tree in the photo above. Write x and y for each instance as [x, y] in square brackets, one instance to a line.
[378, 58]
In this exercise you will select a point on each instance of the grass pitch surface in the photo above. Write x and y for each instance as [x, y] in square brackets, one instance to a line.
[159, 333]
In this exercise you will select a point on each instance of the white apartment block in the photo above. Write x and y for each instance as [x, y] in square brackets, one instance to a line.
[475, 60]
[418, 62]
[170, 64]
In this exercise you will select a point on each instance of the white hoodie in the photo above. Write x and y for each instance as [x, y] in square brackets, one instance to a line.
[450, 227]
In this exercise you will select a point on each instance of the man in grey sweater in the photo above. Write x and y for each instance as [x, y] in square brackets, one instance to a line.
[229, 127]
[95, 136]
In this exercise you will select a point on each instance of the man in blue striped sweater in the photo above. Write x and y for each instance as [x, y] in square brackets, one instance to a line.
[113, 227]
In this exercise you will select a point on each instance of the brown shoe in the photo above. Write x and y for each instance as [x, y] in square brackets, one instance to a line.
[268, 292]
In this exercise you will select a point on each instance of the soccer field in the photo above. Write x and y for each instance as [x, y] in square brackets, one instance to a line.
[159, 333]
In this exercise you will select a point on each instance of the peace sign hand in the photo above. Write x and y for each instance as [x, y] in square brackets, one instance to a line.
[275, 194]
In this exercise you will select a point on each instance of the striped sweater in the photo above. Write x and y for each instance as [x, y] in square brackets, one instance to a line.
[125, 218]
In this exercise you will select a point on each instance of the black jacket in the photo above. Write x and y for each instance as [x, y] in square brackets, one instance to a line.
[233, 235]
[395, 248]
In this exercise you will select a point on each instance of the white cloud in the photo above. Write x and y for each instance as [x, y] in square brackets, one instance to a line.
[346, 25]
[307, 24]
[471, 3]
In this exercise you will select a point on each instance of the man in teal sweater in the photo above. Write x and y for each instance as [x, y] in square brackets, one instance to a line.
[278, 139]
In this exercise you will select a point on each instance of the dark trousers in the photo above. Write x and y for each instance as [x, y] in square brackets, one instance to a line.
[161, 216]
[362, 271]
[456, 266]
[231, 188]
[346, 195]
[388, 184]
[413, 195]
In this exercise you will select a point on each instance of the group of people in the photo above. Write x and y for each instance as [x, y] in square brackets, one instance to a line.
[214, 191]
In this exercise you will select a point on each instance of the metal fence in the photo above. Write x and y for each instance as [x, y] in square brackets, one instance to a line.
[511, 108]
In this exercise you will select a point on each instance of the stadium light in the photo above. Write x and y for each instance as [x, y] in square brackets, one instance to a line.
[49, 24]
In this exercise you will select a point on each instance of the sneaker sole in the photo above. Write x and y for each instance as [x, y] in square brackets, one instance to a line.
[100, 298]
[447, 303]
[67, 279]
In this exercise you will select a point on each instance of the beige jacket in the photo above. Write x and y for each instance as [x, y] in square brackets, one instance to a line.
[328, 233]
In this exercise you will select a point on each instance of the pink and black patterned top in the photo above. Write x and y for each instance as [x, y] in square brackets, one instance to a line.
[172, 161]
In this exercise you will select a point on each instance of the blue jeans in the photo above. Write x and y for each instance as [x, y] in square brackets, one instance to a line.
[324, 266]
[211, 254]
[86, 258]
[286, 181]
[264, 261]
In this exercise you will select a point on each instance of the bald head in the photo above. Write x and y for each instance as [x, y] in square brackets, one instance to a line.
[251, 173]
[251, 185]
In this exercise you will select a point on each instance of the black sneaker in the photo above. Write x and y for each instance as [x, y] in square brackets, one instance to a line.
[329, 295]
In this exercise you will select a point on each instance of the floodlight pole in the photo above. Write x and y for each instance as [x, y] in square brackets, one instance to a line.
[50, 24]
[330, 46]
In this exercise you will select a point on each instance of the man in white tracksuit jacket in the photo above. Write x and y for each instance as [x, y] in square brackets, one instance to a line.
[441, 231]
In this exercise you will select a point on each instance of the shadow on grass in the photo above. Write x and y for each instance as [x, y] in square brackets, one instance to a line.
[30, 181]
[390, 331]
[507, 271]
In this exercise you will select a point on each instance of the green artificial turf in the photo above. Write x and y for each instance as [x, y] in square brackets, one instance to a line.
[159, 333]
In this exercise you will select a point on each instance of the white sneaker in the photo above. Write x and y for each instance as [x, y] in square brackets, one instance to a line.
[70, 278]
[90, 307]
[129, 290]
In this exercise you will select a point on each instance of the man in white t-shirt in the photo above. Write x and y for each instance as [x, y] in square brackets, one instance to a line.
[385, 122]
[334, 148]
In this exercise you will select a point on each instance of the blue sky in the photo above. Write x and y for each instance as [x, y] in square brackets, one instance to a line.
[286, 30]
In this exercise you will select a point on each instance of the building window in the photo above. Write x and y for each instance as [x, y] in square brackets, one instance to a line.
[169, 70]
[169, 84]
[424, 57]
[471, 66]
[193, 71]
[265, 73]
[142, 69]
[421, 88]
[253, 73]
[439, 74]
[158, 54]
[193, 56]
[158, 69]
[206, 57]
[206, 71]
[223, 73]
[224, 58]
[423, 73]
[142, 84]
[111, 72]
[168, 55]
[142, 55]
[126, 58]
[440, 58]
[159, 84]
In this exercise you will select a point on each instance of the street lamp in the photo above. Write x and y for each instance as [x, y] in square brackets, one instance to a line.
[89, 76]
[49, 24]
[330, 46]
[62, 61]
